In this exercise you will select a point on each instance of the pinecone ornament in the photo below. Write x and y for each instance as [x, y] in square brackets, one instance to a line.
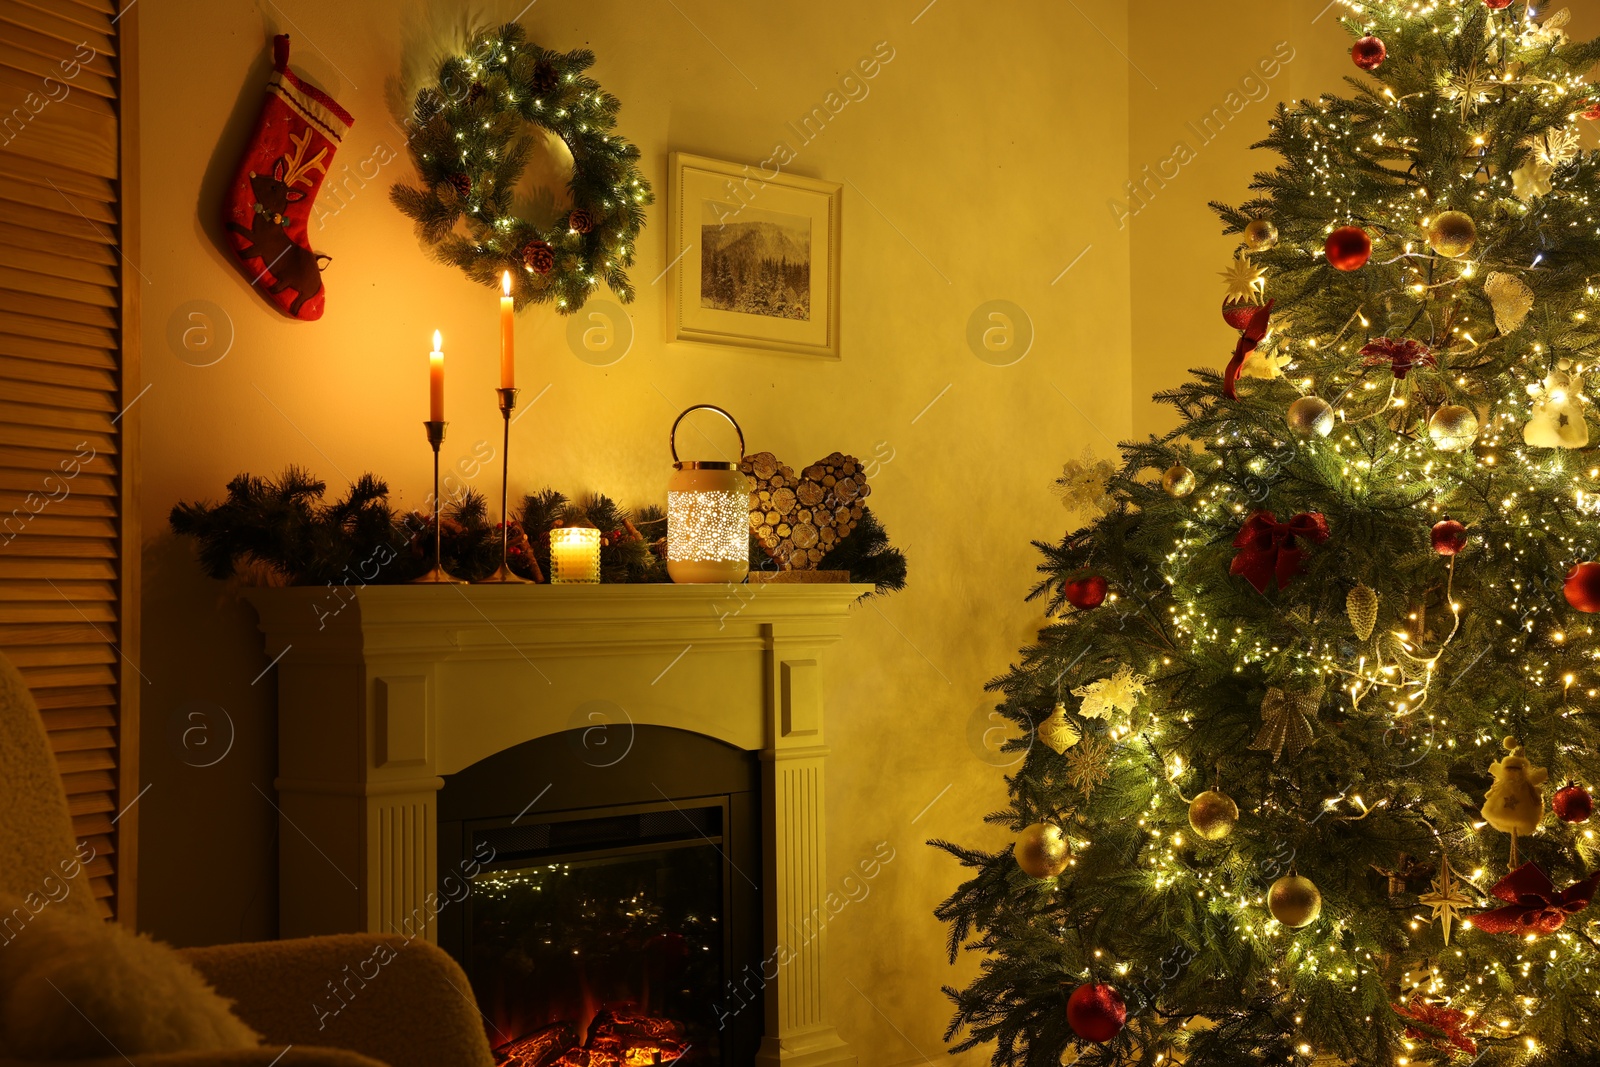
[538, 257]
[462, 184]
[545, 78]
[580, 221]
[475, 92]
[1362, 607]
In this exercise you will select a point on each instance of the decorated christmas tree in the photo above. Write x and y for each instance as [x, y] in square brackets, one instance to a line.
[1304, 746]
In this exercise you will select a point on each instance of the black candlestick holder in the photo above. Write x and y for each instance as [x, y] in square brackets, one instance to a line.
[508, 404]
[438, 574]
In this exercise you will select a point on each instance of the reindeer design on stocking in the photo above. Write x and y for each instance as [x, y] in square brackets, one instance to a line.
[294, 266]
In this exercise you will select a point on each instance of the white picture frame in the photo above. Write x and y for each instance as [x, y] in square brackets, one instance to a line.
[754, 259]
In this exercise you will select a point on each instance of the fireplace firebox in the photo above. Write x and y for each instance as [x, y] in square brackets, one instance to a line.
[614, 897]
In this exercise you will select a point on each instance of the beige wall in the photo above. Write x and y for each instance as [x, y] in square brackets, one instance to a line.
[989, 146]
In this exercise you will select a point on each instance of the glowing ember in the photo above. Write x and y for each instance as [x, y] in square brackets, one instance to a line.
[621, 1036]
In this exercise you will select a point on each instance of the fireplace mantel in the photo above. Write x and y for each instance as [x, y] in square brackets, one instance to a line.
[383, 690]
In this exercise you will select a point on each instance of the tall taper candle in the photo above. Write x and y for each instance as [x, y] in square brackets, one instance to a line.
[508, 361]
[436, 379]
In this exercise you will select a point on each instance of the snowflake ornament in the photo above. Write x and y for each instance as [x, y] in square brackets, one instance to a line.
[1089, 765]
[1082, 485]
[1118, 693]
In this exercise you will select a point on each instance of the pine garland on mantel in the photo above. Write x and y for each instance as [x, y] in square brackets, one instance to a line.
[281, 531]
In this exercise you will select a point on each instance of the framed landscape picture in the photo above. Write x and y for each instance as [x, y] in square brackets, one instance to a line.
[754, 259]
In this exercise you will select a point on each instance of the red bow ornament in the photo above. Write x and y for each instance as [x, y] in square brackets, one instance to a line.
[1400, 355]
[1443, 1028]
[1533, 906]
[1271, 549]
[1255, 330]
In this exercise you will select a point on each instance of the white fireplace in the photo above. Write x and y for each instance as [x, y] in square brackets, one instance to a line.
[383, 690]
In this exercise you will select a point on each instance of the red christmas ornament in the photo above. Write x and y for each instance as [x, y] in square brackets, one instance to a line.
[1085, 593]
[1583, 587]
[1572, 803]
[1096, 1012]
[1497, 5]
[1449, 537]
[1348, 248]
[1592, 113]
[1369, 52]
[1255, 328]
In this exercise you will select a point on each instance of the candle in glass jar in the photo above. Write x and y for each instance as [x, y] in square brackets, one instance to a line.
[436, 380]
[508, 371]
[575, 554]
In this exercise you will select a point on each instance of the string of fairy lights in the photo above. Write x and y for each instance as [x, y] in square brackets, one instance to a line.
[1379, 450]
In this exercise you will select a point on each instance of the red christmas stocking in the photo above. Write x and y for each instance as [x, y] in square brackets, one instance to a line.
[267, 205]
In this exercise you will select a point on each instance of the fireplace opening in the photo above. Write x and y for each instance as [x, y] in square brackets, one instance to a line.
[603, 923]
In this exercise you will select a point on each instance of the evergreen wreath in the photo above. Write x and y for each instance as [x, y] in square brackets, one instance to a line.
[470, 141]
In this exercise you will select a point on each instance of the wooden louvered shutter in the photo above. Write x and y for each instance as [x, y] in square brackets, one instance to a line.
[68, 389]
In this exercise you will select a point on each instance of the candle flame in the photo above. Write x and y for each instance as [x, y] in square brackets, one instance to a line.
[505, 282]
[438, 341]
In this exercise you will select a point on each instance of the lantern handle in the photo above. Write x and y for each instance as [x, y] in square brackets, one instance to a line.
[672, 437]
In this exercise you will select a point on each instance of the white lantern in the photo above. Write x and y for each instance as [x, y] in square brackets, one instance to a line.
[708, 514]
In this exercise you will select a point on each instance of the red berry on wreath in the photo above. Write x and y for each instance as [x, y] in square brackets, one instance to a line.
[1368, 53]
[1572, 803]
[462, 184]
[1085, 593]
[1348, 248]
[579, 220]
[1582, 587]
[1449, 537]
[1096, 1012]
[536, 255]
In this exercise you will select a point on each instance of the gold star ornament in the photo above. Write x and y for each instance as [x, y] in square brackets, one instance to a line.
[1447, 898]
[1247, 283]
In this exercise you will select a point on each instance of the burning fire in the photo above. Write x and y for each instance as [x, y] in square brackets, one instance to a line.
[621, 1035]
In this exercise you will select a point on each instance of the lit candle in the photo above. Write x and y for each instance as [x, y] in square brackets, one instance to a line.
[575, 554]
[436, 380]
[508, 371]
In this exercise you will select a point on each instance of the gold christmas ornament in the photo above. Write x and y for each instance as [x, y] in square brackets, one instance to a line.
[1178, 481]
[1453, 428]
[1452, 234]
[1058, 731]
[1511, 299]
[1260, 235]
[1446, 899]
[1043, 850]
[1246, 281]
[1310, 416]
[1294, 901]
[1361, 604]
[1286, 721]
[1213, 815]
[1089, 765]
[1515, 802]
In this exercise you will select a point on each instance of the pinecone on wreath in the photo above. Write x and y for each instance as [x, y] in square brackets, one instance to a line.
[545, 79]
[475, 92]
[579, 221]
[462, 184]
[538, 257]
